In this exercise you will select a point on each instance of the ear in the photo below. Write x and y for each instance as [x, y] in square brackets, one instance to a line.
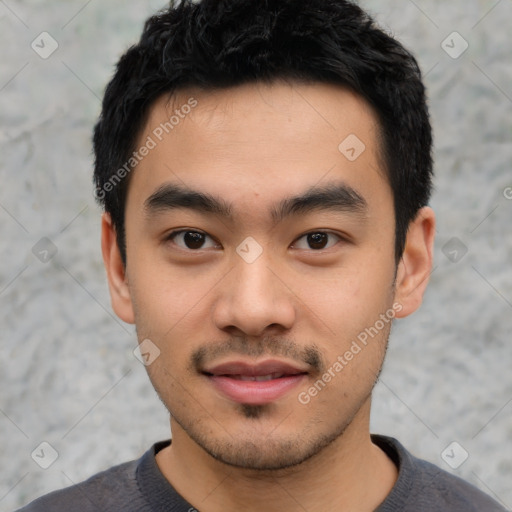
[416, 263]
[116, 272]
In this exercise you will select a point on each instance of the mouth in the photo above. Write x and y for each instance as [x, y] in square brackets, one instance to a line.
[255, 383]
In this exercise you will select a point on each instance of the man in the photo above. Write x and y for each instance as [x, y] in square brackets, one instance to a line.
[265, 169]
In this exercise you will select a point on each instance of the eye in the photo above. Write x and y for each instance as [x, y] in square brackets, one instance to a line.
[191, 240]
[317, 241]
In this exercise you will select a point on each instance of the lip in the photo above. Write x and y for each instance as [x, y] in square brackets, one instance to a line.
[237, 380]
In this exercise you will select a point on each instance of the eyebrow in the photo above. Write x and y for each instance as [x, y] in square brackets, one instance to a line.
[331, 197]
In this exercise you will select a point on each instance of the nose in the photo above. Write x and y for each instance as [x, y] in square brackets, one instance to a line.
[253, 299]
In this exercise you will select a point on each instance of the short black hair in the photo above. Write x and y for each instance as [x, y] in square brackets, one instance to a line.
[215, 44]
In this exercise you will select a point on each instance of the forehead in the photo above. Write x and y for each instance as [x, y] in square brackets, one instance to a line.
[262, 141]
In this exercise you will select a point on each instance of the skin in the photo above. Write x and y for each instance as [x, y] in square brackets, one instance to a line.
[253, 146]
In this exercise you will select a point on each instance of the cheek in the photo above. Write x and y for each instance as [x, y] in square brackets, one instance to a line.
[158, 301]
[347, 296]
[171, 304]
[348, 310]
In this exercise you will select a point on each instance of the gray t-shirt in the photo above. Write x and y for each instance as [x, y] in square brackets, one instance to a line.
[139, 486]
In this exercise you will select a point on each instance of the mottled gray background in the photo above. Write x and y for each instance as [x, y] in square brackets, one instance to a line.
[68, 374]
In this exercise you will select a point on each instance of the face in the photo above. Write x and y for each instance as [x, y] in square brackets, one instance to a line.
[261, 267]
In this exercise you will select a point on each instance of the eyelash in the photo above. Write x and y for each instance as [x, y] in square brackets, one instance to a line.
[171, 236]
[174, 234]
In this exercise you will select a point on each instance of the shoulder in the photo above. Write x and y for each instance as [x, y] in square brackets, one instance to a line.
[450, 492]
[113, 489]
[423, 486]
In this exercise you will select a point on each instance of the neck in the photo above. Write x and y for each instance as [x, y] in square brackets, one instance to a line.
[351, 473]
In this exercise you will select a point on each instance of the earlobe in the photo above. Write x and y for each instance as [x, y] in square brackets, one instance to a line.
[116, 272]
[416, 263]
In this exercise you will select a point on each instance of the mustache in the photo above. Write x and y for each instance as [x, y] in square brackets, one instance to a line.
[269, 346]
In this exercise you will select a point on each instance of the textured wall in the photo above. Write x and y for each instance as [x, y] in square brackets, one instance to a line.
[68, 374]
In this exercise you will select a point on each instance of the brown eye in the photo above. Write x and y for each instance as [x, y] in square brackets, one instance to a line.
[317, 240]
[192, 240]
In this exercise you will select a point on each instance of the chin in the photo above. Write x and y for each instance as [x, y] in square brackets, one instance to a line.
[261, 449]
